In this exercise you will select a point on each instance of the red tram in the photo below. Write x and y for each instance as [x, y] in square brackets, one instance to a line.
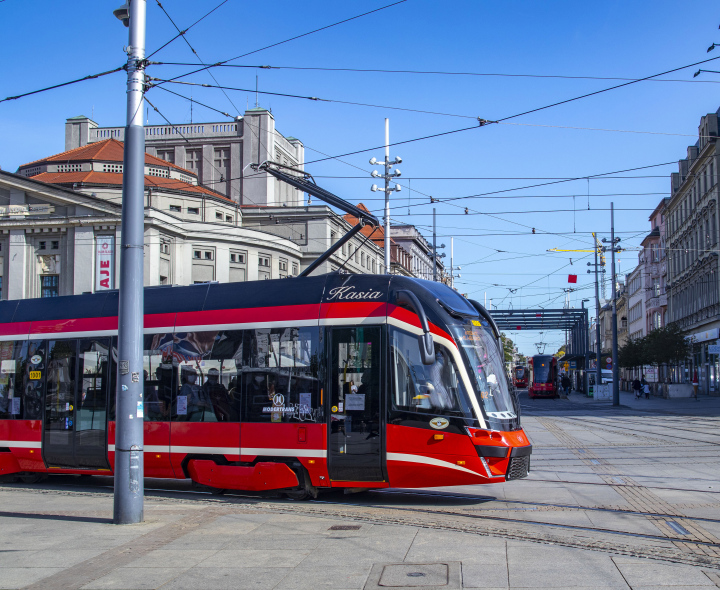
[520, 376]
[543, 376]
[299, 385]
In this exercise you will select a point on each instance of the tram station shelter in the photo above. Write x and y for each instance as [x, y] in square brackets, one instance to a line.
[570, 320]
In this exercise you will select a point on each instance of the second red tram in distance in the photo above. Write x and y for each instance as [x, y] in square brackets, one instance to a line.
[520, 376]
[299, 385]
[543, 376]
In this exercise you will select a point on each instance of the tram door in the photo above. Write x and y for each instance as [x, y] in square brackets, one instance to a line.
[355, 431]
[77, 385]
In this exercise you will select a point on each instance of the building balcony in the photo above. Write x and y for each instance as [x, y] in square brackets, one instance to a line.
[658, 269]
[657, 301]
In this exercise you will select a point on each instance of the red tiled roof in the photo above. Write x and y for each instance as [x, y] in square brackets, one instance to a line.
[378, 233]
[108, 150]
[115, 179]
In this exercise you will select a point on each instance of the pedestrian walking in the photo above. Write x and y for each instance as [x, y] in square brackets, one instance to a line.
[565, 383]
[695, 384]
[644, 387]
[637, 386]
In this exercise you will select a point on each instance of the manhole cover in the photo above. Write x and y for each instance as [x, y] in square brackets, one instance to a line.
[414, 574]
[345, 527]
[430, 576]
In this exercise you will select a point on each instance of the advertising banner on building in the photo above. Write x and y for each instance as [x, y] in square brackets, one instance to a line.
[105, 263]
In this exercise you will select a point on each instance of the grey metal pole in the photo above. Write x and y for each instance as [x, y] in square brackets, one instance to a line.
[434, 256]
[598, 344]
[452, 268]
[615, 369]
[129, 488]
[387, 196]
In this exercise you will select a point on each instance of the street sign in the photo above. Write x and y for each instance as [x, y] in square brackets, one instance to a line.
[713, 348]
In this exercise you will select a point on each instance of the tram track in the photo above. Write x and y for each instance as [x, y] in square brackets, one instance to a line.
[661, 437]
[621, 542]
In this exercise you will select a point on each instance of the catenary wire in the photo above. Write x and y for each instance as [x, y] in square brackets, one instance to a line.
[183, 32]
[90, 77]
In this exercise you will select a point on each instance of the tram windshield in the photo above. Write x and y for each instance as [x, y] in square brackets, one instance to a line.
[520, 372]
[541, 369]
[485, 362]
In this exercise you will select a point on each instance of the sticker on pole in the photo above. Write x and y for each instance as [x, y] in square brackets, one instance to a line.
[124, 367]
[140, 412]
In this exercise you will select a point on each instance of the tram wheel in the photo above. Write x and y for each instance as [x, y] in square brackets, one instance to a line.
[298, 495]
[217, 491]
[32, 477]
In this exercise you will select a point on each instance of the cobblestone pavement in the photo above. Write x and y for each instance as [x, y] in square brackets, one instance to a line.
[623, 497]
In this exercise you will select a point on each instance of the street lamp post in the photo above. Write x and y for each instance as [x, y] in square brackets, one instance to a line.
[129, 486]
[388, 189]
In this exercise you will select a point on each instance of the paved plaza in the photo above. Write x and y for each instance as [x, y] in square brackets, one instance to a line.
[621, 498]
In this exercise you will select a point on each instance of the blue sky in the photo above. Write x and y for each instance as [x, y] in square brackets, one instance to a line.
[54, 42]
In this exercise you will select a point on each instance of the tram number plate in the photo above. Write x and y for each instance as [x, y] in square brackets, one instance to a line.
[35, 375]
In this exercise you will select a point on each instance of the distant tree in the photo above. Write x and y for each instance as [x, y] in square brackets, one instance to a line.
[667, 345]
[631, 354]
[508, 347]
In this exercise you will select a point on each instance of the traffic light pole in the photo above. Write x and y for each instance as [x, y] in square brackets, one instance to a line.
[129, 487]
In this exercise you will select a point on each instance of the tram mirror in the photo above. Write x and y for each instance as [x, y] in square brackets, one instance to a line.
[427, 348]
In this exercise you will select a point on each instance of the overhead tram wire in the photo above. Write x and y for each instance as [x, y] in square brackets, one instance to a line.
[182, 33]
[406, 109]
[430, 72]
[481, 122]
[335, 24]
[90, 77]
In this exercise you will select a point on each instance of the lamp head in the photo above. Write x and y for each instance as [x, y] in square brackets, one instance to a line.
[696, 74]
[398, 188]
[374, 188]
[397, 172]
[398, 160]
[711, 47]
[123, 13]
[374, 174]
[373, 161]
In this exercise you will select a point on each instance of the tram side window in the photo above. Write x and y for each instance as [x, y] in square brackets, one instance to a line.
[280, 375]
[60, 396]
[428, 389]
[22, 373]
[206, 368]
[93, 371]
[157, 377]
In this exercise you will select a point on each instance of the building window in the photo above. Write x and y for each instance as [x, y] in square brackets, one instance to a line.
[228, 218]
[49, 286]
[263, 261]
[295, 268]
[55, 244]
[167, 155]
[197, 254]
[176, 208]
[208, 255]
[192, 160]
[218, 215]
[193, 210]
[237, 258]
[42, 245]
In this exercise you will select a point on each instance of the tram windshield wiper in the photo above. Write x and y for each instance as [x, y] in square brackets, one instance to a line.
[305, 182]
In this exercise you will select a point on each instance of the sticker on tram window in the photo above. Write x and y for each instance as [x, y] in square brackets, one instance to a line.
[476, 323]
[15, 405]
[36, 359]
[439, 423]
[35, 375]
[334, 409]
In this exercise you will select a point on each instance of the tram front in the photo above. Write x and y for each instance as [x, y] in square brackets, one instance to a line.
[453, 419]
